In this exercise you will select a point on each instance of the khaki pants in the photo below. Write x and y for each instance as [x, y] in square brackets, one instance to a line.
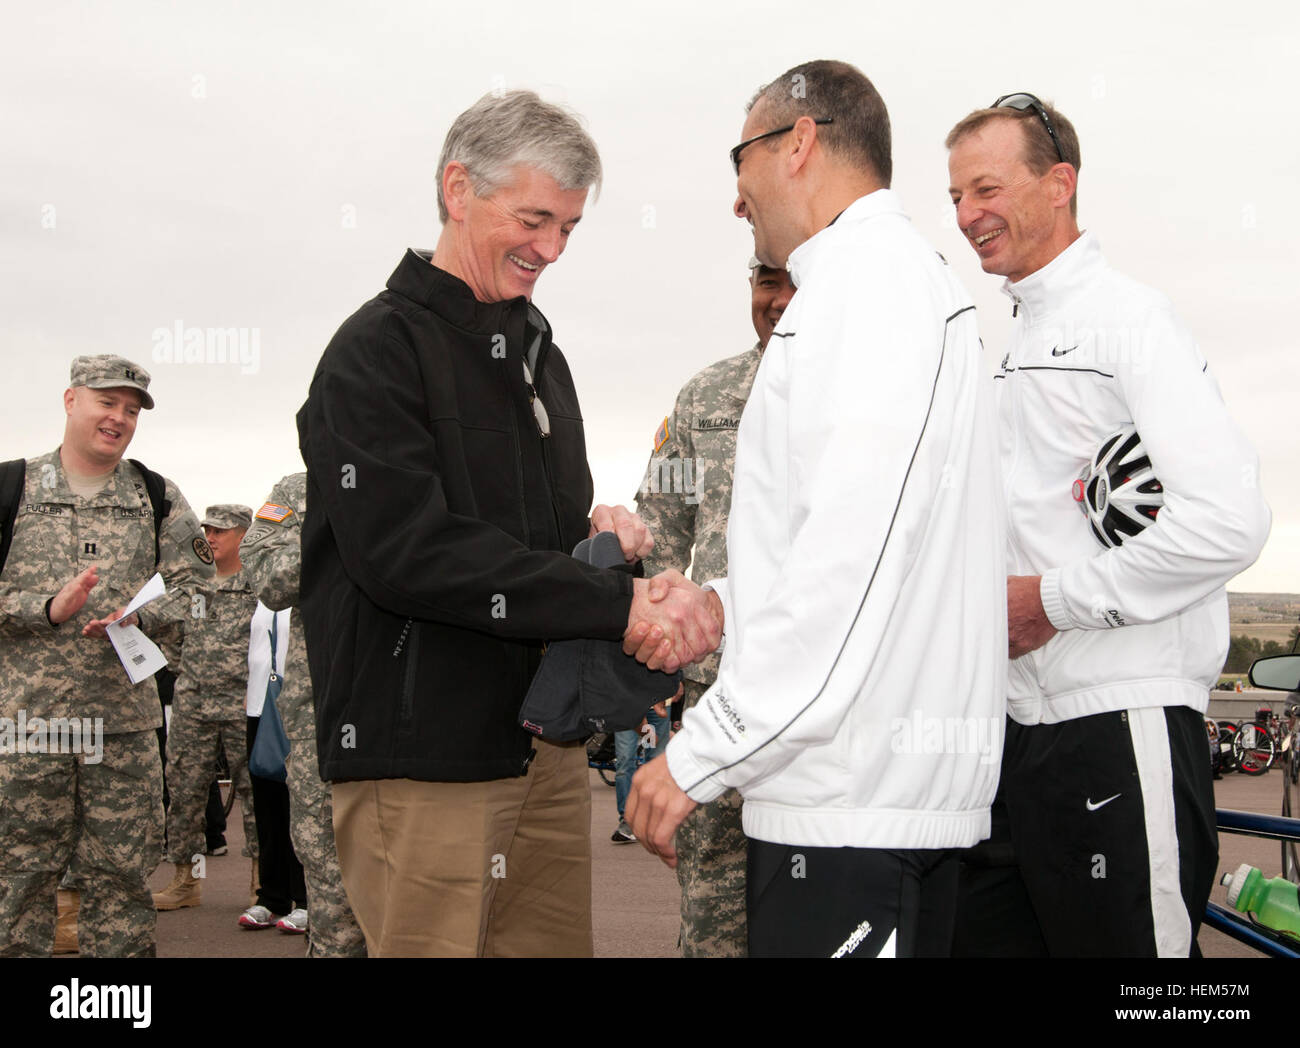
[463, 869]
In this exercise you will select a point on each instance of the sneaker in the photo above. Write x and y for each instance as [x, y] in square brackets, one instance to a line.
[624, 834]
[295, 923]
[256, 917]
[217, 849]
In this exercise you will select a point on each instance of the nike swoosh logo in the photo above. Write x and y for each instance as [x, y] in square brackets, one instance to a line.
[1100, 804]
[1057, 351]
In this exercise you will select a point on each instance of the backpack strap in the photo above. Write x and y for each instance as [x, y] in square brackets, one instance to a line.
[13, 475]
[156, 486]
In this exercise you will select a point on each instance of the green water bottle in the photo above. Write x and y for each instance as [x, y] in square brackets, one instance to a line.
[1275, 903]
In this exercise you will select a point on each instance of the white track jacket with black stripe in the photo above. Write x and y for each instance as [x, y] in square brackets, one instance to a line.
[1144, 624]
[861, 694]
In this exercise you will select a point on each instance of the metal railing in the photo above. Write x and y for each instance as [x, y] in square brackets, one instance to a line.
[1238, 925]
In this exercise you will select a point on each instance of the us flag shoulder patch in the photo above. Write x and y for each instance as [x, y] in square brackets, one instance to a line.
[275, 514]
[661, 434]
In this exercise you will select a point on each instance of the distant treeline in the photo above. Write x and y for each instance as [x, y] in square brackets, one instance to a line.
[1243, 650]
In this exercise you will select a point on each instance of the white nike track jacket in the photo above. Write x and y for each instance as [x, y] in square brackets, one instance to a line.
[1145, 624]
[862, 689]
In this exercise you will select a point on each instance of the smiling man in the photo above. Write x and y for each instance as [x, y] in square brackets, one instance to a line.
[448, 484]
[89, 531]
[1104, 837]
[863, 525]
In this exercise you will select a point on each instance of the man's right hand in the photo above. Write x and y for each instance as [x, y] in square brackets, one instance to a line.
[72, 598]
[672, 622]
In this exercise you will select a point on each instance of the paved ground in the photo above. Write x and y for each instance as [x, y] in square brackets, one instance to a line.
[635, 897]
[634, 900]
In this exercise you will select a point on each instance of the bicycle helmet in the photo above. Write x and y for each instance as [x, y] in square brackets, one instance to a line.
[1118, 491]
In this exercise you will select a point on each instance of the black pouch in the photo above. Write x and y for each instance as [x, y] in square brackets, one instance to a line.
[587, 686]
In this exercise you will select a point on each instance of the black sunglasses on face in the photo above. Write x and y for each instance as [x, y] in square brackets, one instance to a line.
[1023, 100]
[736, 150]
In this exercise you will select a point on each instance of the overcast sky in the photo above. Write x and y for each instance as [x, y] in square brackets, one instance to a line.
[263, 166]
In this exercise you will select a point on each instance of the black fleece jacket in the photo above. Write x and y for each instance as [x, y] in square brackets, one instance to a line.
[435, 549]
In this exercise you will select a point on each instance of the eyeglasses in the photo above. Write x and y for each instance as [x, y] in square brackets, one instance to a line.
[1023, 100]
[736, 151]
[542, 419]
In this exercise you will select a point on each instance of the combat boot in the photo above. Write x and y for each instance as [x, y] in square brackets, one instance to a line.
[183, 890]
[65, 928]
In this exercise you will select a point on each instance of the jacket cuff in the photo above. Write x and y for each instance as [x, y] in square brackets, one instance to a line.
[686, 771]
[1049, 592]
[720, 587]
[620, 602]
[28, 609]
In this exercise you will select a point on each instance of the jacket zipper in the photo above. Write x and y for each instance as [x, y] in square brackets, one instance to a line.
[1017, 412]
[407, 708]
[508, 389]
[546, 454]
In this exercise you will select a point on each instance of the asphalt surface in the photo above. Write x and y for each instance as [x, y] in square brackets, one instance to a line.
[634, 900]
[634, 896]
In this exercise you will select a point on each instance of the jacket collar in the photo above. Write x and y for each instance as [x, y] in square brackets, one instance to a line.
[1058, 281]
[865, 208]
[418, 279]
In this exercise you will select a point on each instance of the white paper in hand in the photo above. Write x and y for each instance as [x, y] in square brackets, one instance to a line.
[139, 655]
[150, 591]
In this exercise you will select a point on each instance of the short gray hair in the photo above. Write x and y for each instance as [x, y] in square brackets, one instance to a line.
[500, 132]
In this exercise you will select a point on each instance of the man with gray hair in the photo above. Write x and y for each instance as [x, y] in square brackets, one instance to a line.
[447, 483]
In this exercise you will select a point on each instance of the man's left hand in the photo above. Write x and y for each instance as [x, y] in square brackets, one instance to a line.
[633, 535]
[1027, 625]
[97, 628]
[655, 808]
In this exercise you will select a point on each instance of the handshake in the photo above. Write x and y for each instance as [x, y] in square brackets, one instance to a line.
[672, 622]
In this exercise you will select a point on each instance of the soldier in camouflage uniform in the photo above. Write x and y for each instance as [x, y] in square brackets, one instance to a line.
[273, 560]
[208, 706]
[685, 498]
[82, 546]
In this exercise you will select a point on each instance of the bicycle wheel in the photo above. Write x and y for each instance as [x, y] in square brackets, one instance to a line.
[227, 789]
[606, 776]
[1227, 753]
[1254, 749]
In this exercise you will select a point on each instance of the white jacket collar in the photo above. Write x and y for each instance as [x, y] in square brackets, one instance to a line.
[1057, 282]
[881, 202]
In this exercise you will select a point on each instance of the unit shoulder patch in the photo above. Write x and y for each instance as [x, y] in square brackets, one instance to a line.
[202, 550]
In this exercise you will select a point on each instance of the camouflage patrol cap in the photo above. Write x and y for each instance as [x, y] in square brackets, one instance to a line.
[228, 515]
[107, 371]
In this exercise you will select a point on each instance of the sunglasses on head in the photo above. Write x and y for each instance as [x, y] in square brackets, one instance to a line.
[1023, 100]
